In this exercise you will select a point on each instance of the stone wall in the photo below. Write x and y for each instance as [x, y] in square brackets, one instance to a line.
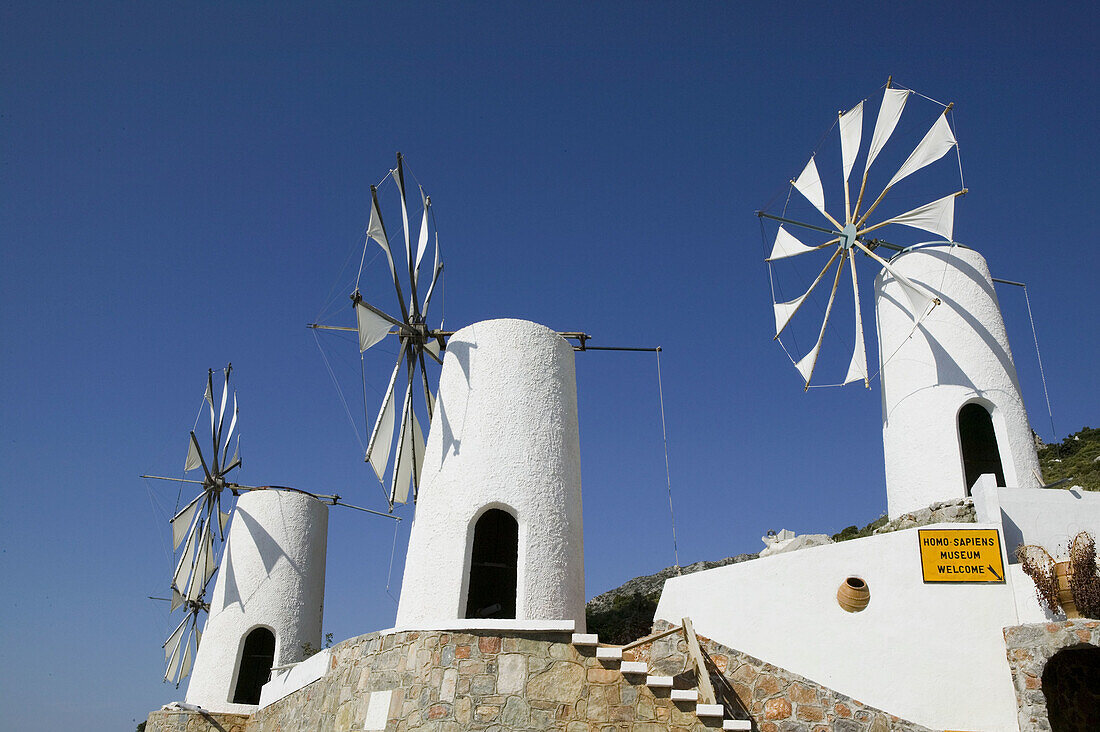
[178, 720]
[444, 681]
[774, 698]
[1029, 649]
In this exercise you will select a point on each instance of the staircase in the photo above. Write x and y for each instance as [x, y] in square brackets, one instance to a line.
[707, 707]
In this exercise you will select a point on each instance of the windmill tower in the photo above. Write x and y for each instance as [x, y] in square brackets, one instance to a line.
[498, 530]
[951, 402]
[268, 599]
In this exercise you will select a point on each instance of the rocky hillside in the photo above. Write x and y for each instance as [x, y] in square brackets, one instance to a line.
[625, 613]
[1077, 457]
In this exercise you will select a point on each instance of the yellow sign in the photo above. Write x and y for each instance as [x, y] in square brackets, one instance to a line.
[961, 555]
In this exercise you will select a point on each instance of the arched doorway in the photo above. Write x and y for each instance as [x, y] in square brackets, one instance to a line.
[257, 657]
[978, 441]
[1071, 685]
[493, 566]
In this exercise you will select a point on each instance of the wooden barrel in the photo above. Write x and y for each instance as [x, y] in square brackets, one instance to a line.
[1062, 574]
[853, 594]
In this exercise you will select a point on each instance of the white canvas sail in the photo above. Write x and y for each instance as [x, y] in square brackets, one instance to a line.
[422, 242]
[376, 232]
[851, 132]
[193, 459]
[181, 522]
[403, 467]
[378, 449]
[893, 102]
[934, 146]
[809, 185]
[787, 245]
[372, 326]
[857, 367]
[937, 217]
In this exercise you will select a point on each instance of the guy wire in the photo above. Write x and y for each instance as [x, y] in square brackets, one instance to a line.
[668, 475]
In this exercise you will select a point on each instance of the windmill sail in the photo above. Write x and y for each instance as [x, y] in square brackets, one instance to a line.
[197, 562]
[858, 234]
[808, 184]
[392, 432]
[893, 102]
[372, 327]
[851, 130]
[933, 147]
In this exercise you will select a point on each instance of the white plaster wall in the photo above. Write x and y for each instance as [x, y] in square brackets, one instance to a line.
[285, 682]
[1028, 607]
[272, 574]
[1049, 518]
[504, 435]
[958, 354]
[930, 653]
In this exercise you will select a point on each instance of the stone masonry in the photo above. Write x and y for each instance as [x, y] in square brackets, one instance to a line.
[445, 681]
[1029, 649]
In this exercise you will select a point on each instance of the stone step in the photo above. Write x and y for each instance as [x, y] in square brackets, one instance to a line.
[634, 667]
[609, 653]
[738, 724]
[709, 710]
[685, 695]
[586, 639]
[658, 682]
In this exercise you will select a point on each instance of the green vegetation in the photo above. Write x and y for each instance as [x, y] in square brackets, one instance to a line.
[854, 532]
[308, 649]
[629, 618]
[1077, 457]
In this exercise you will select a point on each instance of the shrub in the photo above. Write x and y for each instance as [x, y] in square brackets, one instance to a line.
[629, 618]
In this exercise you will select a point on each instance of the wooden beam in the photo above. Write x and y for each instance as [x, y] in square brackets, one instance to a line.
[648, 638]
[702, 676]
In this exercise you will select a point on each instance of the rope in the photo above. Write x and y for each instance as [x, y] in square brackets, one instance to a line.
[1042, 375]
[339, 391]
[668, 475]
[955, 131]
[361, 260]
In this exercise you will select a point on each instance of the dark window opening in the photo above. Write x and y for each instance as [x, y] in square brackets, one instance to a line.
[1071, 685]
[979, 445]
[256, 661]
[493, 566]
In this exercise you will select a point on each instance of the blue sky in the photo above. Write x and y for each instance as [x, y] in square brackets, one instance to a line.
[182, 185]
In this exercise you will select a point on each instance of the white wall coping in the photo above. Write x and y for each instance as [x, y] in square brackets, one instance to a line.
[555, 626]
[290, 680]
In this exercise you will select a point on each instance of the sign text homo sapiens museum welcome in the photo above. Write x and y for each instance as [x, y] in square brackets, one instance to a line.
[961, 555]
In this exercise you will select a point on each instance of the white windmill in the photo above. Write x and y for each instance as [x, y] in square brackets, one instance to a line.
[416, 340]
[852, 221]
[511, 495]
[274, 554]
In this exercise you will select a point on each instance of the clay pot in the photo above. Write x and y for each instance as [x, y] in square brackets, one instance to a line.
[853, 594]
[1062, 574]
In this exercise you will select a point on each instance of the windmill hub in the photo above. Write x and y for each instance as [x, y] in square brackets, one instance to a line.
[848, 236]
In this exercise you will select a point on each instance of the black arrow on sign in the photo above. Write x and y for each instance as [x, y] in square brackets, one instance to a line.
[999, 577]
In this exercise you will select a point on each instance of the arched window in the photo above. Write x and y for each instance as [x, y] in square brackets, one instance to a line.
[493, 566]
[1071, 685]
[979, 445]
[257, 657]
